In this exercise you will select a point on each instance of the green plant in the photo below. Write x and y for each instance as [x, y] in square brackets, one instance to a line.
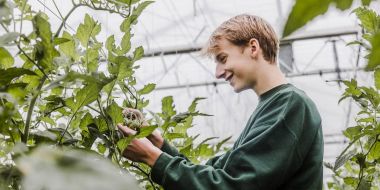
[361, 156]
[52, 90]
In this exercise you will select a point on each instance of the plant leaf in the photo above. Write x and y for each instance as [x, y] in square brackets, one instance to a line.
[369, 20]
[7, 75]
[377, 78]
[193, 105]
[89, 28]
[145, 131]
[168, 106]
[147, 89]
[85, 121]
[42, 28]
[138, 53]
[58, 41]
[110, 43]
[302, 12]
[115, 112]
[364, 185]
[101, 148]
[128, 2]
[44, 50]
[124, 142]
[8, 37]
[375, 152]
[125, 43]
[69, 48]
[343, 159]
[343, 4]
[221, 143]
[206, 140]
[366, 2]
[138, 10]
[181, 117]
[171, 136]
[86, 95]
[64, 168]
[374, 58]
[352, 132]
[6, 59]
[101, 124]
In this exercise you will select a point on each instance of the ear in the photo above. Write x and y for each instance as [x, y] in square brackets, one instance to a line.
[254, 47]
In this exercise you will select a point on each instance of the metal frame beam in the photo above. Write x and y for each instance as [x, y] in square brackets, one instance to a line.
[290, 75]
[289, 39]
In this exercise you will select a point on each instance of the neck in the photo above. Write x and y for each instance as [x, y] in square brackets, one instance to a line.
[270, 77]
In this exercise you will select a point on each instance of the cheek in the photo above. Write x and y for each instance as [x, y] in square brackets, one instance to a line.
[243, 68]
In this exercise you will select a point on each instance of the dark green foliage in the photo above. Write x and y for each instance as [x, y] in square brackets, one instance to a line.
[304, 11]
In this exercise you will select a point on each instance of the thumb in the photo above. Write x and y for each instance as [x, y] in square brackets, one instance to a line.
[125, 130]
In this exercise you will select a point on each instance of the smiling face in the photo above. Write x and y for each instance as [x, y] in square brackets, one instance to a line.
[237, 65]
[245, 48]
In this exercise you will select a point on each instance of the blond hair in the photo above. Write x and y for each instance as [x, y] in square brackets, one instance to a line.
[239, 30]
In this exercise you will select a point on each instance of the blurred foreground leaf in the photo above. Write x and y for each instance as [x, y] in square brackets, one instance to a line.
[55, 169]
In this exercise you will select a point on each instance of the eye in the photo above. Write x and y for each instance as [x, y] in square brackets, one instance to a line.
[223, 59]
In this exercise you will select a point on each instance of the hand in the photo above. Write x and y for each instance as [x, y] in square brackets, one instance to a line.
[156, 137]
[140, 150]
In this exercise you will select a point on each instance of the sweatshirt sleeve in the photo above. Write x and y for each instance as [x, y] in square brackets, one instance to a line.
[169, 149]
[265, 157]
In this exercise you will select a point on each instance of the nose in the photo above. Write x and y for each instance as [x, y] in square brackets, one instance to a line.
[219, 71]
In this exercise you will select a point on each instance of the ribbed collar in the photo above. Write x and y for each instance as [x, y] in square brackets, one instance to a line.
[272, 91]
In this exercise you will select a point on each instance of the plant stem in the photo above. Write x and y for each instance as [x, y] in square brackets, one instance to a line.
[360, 177]
[145, 173]
[109, 93]
[104, 9]
[361, 172]
[134, 96]
[25, 136]
[11, 135]
[31, 60]
[14, 21]
[93, 109]
[111, 128]
[65, 19]
[22, 15]
[47, 114]
[67, 127]
[126, 96]
[350, 144]
[59, 12]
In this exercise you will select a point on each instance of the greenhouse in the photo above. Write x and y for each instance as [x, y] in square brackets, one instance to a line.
[189, 94]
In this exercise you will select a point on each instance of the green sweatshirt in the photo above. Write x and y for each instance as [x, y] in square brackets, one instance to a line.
[281, 147]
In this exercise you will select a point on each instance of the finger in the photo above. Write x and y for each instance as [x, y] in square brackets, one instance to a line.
[125, 130]
[156, 132]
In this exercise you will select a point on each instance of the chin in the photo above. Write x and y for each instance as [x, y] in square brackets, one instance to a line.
[237, 89]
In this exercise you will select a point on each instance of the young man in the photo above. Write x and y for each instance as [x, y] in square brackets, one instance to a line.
[281, 146]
